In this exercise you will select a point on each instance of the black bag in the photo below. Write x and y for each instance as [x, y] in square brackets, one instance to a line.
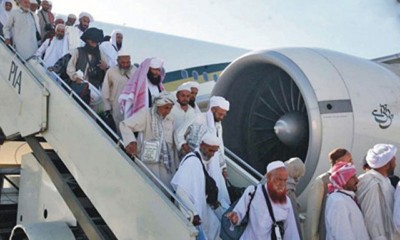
[211, 185]
[278, 228]
[227, 233]
[234, 192]
[82, 89]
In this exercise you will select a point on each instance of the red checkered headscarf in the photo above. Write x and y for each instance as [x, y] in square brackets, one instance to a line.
[341, 173]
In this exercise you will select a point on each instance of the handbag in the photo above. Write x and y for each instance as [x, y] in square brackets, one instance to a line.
[82, 89]
[228, 230]
[151, 151]
[277, 230]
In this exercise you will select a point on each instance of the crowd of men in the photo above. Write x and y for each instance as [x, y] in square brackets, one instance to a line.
[184, 147]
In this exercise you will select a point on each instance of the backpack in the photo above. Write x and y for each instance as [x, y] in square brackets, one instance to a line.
[229, 233]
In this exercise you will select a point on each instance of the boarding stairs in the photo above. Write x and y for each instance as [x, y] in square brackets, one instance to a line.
[108, 195]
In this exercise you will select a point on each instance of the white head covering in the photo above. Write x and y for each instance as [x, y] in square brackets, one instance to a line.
[33, 1]
[156, 63]
[183, 87]
[8, 1]
[216, 101]
[211, 139]
[163, 99]
[123, 53]
[85, 14]
[58, 16]
[71, 15]
[193, 84]
[295, 167]
[380, 155]
[274, 165]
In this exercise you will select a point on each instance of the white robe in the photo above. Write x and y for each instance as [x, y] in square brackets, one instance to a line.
[396, 210]
[180, 116]
[260, 222]
[190, 179]
[3, 13]
[343, 217]
[52, 50]
[22, 26]
[376, 197]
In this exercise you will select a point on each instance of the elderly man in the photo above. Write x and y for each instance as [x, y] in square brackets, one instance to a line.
[114, 81]
[315, 221]
[5, 9]
[143, 86]
[24, 30]
[34, 6]
[343, 217]
[54, 48]
[111, 48]
[260, 224]
[190, 185]
[46, 18]
[71, 19]
[182, 111]
[155, 128]
[88, 60]
[376, 194]
[73, 34]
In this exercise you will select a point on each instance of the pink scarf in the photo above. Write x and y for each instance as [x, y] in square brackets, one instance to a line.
[135, 93]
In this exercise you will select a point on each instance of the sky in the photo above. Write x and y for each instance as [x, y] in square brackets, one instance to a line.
[365, 28]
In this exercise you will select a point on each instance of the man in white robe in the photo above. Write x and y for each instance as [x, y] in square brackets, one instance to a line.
[182, 111]
[189, 185]
[343, 217]
[111, 48]
[153, 124]
[74, 33]
[396, 209]
[22, 26]
[5, 9]
[260, 222]
[376, 194]
[316, 201]
[194, 87]
[114, 81]
[53, 48]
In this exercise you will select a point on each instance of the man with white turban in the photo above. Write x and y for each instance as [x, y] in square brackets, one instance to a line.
[74, 33]
[142, 87]
[71, 19]
[376, 194]
[260, 223]
[343, 217]
[182, 111]
[53, 48]
[5, 9]
[190, 186]
[194, 88]
[111, 48]
[154, 144]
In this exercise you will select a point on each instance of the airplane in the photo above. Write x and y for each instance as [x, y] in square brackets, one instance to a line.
[285, 102]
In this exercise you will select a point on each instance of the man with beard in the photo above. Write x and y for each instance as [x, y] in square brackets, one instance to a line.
[111, 47]
[190, 185]
[23, 28]
[260, 224]
[5, 9]
[376, 194]
[316, 201]
[343, 217]
[142, 87]
[71, 19]
[182, 112]
[46, 18]
[88, 59]
[194, 87]
[53, 48]
[114, 81]
[74, 33]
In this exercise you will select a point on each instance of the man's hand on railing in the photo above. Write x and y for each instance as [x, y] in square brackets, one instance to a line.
[7, 41]
[196, 220]
[131, 149]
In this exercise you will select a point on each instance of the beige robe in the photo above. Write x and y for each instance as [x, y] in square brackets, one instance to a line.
[375, 196]
[113, 85]
[141, 122]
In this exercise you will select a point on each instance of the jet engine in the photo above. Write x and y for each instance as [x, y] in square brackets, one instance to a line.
[303, 102]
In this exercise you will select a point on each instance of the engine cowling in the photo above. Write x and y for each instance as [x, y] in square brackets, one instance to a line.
[303, 102]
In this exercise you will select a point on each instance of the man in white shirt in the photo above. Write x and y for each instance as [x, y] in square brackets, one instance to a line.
[343, 217]
[53, 48]
[182, 111]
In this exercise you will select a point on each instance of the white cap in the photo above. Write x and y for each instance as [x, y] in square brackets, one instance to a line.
[122, 53]
[58, 16]
[274, 165]
[183, 87]
[211, 139]
[216, 101]
[380, 155]
[33, 1]
[193, 84]
[85, 14]
[156, 63]
[71, 15]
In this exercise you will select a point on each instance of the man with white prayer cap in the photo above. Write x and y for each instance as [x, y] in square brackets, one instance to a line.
[71, 19]
[190, 186]
[376, 194]
[343, 217]
[182, 111]
[156, 144]
[143, 86]
[113, 84]
[74, 33]
[111, 47]
[53, 48]
[194, 87]
[260, 224]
